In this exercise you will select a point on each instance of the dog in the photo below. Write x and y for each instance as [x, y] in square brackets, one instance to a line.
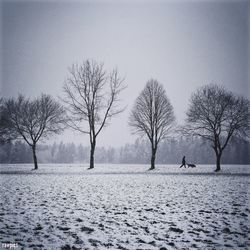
[191, 165]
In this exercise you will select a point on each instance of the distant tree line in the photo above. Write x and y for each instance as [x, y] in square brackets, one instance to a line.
[169, 152]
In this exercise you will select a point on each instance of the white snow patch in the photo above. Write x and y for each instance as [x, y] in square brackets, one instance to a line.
[124, 207]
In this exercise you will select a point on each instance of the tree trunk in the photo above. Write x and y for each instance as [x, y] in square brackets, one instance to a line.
[34, 157]
[218, 158]
[153, 159]
[92, 152]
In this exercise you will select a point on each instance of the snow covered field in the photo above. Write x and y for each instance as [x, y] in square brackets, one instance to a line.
[124, 207]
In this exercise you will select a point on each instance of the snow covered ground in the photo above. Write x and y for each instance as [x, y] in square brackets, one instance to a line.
[124, 207]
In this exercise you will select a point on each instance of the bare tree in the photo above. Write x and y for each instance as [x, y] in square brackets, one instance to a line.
[152, 115]
[34, 119]
[91, 96]
[217, 115]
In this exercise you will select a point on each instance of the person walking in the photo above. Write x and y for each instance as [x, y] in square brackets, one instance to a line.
[183, 162]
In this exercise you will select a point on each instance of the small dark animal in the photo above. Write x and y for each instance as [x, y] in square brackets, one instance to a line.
[191, 165]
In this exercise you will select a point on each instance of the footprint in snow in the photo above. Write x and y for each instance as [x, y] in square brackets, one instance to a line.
[63, 228]
[176, 230]
[87, 230]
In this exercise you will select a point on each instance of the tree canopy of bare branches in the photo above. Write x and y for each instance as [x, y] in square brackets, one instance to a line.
[7, 133]
[34, 119]
[91, 97]
[152, 115]
[217, 115]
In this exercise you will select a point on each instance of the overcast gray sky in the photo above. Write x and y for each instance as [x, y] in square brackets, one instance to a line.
[182, 44]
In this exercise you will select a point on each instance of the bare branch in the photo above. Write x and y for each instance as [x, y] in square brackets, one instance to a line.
[216, 115]
[35, 119]
[91, 98]
[152, 115]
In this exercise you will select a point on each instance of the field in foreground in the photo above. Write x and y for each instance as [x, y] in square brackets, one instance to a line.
[124, 207]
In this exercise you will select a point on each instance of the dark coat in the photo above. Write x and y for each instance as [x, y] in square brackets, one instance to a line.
[183, 160]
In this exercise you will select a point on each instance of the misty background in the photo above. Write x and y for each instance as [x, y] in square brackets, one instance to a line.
[183, 44]
[170, 152]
